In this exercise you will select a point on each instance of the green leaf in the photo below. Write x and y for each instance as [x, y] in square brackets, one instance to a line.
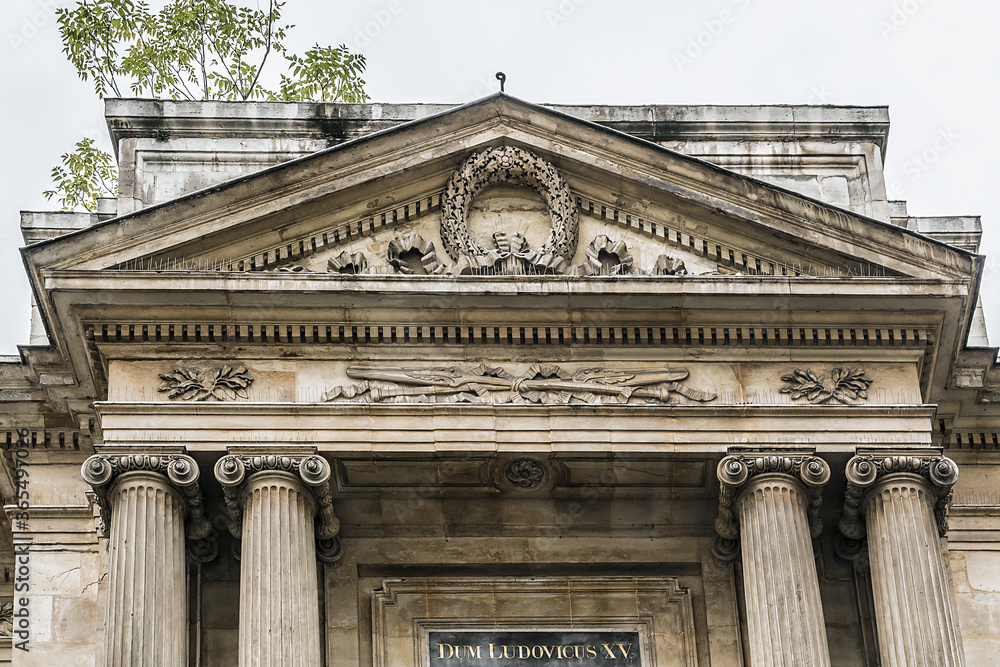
[85, 174]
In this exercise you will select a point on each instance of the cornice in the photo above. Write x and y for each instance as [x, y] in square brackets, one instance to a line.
[105, 408]
[139, 118]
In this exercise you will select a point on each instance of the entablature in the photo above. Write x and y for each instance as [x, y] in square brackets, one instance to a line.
[339, 429]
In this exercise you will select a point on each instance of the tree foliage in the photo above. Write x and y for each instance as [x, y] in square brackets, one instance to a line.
[84, 175]
[200, 49]
[189, 50]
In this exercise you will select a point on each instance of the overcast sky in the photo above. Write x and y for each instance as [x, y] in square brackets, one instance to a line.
[934, 63]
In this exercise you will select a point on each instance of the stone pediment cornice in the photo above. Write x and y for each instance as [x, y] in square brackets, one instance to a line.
[136, 119]
[430, 148]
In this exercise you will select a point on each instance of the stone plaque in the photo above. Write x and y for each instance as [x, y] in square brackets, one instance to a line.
[527, 648]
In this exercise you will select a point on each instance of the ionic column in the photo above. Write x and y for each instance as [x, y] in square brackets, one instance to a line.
[776, 501]
[273, 503]
[903, 500]
[145, 499]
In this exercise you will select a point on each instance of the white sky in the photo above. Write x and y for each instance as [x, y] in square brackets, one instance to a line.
[934, 63]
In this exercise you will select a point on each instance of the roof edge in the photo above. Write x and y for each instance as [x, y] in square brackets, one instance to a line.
[335, 121]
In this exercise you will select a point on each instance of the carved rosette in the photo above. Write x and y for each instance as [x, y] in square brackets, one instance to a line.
[411, 254]
[606, 258]
[508, 164]
[735, 472]
[348, 263]
[101, 471]
[234, 470]
[668, 266]
[865, 470]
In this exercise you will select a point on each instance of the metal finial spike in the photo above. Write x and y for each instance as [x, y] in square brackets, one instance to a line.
[502, 78]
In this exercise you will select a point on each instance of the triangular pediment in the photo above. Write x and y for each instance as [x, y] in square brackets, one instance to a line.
[640, 209]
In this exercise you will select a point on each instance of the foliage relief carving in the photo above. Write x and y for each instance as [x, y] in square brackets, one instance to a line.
[200, 384]
[845, 386]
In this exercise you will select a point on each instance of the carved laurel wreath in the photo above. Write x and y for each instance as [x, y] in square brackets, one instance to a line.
[511, 165]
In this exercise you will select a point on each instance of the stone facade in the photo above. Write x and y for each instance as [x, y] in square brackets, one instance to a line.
[414, 384]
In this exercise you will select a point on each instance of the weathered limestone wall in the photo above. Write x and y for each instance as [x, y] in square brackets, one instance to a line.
[66, 562]
[167, 149]
[974, 553]
[976, 577]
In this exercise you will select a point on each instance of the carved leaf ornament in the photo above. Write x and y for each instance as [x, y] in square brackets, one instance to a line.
[845, 386]
[200, 384]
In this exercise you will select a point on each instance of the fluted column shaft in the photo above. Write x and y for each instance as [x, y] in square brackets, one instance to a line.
[149, 504]
[279, 592]
[769, 510]
[784, 611]
[146, 615]
[914, 601]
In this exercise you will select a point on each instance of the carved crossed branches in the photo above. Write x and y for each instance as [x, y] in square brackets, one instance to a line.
[199, 384]
[846, 385]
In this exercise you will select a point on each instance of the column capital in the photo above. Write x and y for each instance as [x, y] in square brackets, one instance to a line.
[867, 469]
[179, 471]
[736, 471]
[234, 470]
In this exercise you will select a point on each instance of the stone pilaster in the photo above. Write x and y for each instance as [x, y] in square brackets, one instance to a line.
[144, 500]
[903, 500]
[274, 502]
[769, 510]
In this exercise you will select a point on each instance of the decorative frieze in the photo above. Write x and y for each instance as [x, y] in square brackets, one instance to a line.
[668, 266]
[223, 383]
[234, 470]
[511, 256]
[845, 385]
[525, 474]
[540, 384]
[520, 474]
